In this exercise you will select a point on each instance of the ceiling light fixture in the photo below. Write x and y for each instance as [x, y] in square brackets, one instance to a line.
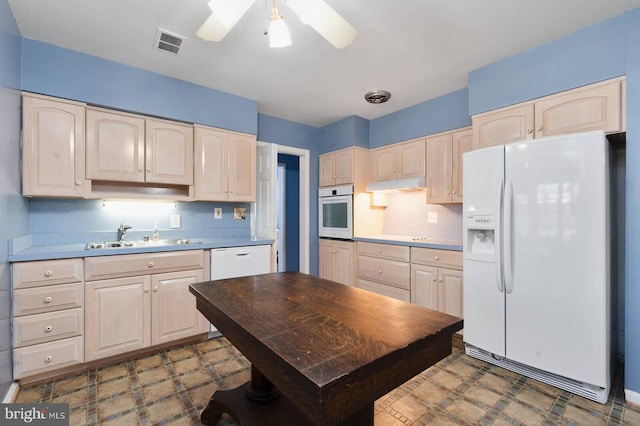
[278, 31]
[377, 96]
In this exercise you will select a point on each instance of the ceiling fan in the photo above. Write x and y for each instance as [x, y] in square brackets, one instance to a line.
[316, 13]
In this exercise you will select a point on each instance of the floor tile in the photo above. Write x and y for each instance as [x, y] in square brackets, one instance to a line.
[165, 409]
[148, 362]
[158, 390]
[114, 387]
[112, 406]
[112, 372]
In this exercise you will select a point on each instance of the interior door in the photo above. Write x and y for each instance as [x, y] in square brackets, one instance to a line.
[264, 213]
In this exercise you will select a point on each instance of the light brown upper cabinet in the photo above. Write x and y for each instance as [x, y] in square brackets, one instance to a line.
[444, 165]
[53, 163]
[129, 148]
[398, 161]
[599, 106]
[336, 168]
[224, 165]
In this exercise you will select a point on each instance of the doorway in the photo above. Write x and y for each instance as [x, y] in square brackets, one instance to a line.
[288, 213]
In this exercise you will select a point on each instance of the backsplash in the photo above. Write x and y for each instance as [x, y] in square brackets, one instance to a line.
[408, 212]
[54, 222]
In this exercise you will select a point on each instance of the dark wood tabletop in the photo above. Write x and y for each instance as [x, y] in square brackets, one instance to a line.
[330, 348]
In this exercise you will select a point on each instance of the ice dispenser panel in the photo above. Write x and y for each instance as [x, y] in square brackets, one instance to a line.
[481, 244]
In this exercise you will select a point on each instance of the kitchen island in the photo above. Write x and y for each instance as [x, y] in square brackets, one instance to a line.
[330, 349]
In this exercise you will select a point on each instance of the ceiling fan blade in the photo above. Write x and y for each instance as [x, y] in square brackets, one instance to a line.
[224, 16]
[325, 20]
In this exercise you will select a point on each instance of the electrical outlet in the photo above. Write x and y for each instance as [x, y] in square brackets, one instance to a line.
[433, 217]
[217, 213]
[175, 221]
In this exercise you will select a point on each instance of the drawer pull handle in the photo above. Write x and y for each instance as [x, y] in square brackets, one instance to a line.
[48, 328]
[436, 257]
[48, 358]
[48, 299]
[155, 289]
[151, 264]
[48, 273]
[146, 290]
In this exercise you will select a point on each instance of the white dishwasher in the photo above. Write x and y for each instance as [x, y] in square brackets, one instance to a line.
[235, 262]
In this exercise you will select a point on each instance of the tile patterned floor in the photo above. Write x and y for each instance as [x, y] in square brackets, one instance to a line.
[173, 386]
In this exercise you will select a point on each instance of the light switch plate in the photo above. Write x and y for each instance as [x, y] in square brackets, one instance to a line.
[217, 213]
[175, 221]
[433, 217]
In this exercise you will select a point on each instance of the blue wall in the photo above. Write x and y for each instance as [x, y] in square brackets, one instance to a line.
[55, 71]
[13, 208]
[351, 131]
[632, 244]
[593, 54]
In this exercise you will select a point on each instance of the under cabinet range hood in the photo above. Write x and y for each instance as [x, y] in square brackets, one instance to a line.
[397, 185]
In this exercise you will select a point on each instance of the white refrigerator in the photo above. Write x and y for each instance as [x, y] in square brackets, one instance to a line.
[536, 260]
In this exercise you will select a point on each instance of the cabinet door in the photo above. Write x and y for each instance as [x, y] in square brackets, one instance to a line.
[343, 262]
[596, 107]
[326, 259]
[53, 162]
[344, 167]
[503, 126]
[115, 146]
[169, 152]
[462, 142]
[384, 164]
[411, 159]
[327, 169]
[242, 168]
[173, 308]
[439, 169]
[450, 281]
[117, 316]
[210, 165]
[424, 286]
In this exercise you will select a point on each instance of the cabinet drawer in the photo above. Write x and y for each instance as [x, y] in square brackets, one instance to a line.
[435, 257]
[97, 268]
[385, 290]
[45, 272]
[40, 328]
[46, 299]
[37, 359]
[388, 251]
[397, 274]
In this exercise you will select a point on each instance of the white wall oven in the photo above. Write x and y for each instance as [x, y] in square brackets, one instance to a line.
[335, 212]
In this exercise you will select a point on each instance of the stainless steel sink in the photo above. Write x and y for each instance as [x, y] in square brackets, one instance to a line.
[134, 244]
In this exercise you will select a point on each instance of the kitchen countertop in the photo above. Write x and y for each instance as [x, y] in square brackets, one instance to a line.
[65, 251]
[403, 240]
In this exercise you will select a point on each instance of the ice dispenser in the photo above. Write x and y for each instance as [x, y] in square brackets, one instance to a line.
[480, 238]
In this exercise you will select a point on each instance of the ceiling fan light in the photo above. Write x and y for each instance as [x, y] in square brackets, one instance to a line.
[278, 31]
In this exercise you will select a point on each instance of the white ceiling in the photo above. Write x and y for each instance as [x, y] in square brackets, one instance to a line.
[416, 49]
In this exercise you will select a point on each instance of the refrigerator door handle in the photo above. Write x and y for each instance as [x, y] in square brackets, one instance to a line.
[498, 236]
[508, 240]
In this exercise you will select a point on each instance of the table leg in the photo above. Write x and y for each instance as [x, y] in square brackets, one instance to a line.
[260, 389]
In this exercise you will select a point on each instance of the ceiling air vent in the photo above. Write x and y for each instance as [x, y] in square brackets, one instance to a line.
[168, 42]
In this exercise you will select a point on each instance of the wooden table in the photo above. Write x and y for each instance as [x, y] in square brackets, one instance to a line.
[329, 349]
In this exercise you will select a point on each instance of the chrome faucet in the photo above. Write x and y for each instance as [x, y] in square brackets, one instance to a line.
[122, 230]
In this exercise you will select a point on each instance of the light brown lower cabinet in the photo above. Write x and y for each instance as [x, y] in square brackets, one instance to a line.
[384, 269]
[336, 261]
[436, 280]
[129, 313]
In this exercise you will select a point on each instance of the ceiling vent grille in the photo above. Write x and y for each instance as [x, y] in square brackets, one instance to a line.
[168, 42]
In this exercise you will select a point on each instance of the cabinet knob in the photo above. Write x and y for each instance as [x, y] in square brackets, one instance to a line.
[379, 271]
[448, 192]
[149, 170]
[48, 328]
[529, 131]
[155, 289]
[434, 278]
[436, 257]
[48, 358]
[78, 183]
[48, 273]
[151, 264]
[439, 279]
[140, 170]
[146, 290]
[225, 191]
[48, 299]
[454, 192]
[379, 250]
[539, 128]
